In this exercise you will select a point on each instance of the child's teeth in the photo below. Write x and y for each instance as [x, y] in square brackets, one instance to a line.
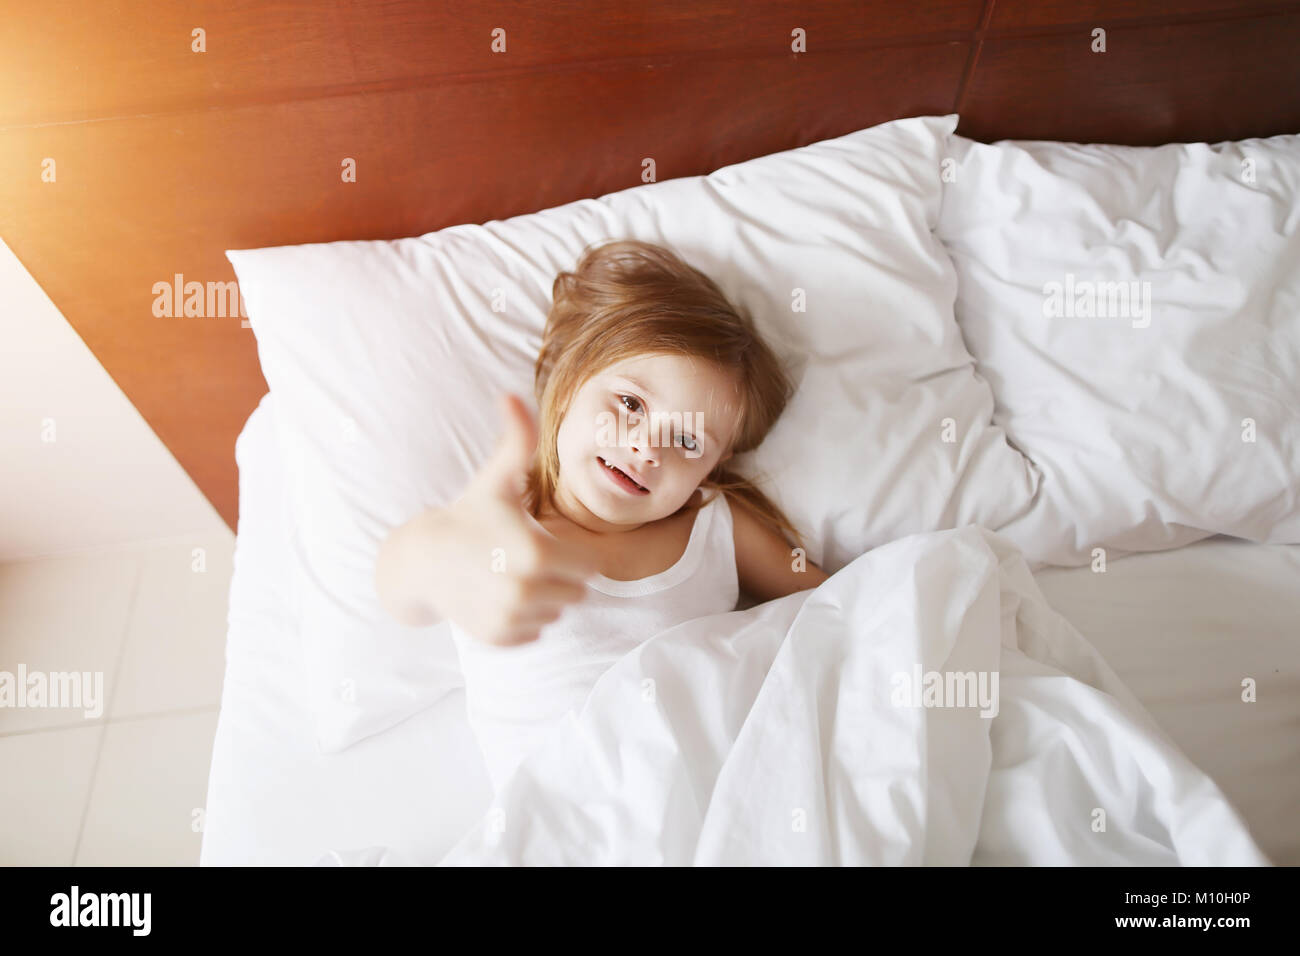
[620, 471]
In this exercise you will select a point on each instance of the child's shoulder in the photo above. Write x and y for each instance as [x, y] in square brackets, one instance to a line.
[717, 501]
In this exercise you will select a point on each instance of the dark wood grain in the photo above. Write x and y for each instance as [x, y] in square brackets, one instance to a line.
[1192, 82]
[1035, 15]
[95, 60]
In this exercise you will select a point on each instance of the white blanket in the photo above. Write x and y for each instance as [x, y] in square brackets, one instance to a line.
[826, 728]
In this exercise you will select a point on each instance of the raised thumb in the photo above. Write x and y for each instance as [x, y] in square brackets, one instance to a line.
[508, 468]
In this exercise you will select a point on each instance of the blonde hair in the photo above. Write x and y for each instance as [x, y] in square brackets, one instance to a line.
[628, 298]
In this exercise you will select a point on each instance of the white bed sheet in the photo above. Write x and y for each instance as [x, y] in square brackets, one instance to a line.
[273, 799]
[1182, 628]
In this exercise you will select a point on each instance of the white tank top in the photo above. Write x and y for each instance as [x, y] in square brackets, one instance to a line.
[515, 694]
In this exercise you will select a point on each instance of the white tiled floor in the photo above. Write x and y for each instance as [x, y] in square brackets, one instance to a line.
[126, 787]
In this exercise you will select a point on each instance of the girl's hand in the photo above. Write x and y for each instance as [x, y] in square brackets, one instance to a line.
[480, 562]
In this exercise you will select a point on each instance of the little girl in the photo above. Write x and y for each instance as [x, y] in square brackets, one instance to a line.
[614, 520]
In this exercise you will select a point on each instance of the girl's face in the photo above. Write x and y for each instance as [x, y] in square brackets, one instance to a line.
[665, 421]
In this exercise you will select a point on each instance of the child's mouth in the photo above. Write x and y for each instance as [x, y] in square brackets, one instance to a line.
[620, 479]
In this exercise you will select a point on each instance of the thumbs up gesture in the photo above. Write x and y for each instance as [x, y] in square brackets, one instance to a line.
[503, 476]
[481, 563]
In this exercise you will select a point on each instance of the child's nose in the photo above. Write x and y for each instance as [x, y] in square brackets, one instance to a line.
[645, 452]
[638, 438]
[644, 449]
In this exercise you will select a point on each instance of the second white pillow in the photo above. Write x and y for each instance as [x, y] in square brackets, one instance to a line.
[1137, 314]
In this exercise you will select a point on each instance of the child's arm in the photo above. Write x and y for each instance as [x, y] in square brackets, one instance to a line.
[477, 562]
[765, 563]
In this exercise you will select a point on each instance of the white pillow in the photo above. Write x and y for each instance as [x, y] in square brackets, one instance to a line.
[386, 358]
[1140, 421]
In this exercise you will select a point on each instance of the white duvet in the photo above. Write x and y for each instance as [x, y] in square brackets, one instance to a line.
[827, 728]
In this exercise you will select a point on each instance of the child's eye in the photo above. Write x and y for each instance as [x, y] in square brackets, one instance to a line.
[688, 442]
[631, 403]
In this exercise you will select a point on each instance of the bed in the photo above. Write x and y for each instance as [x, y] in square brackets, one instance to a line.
[1192, 602]
[1169, 623]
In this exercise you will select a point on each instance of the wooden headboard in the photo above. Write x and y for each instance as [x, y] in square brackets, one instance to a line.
[162, 155]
